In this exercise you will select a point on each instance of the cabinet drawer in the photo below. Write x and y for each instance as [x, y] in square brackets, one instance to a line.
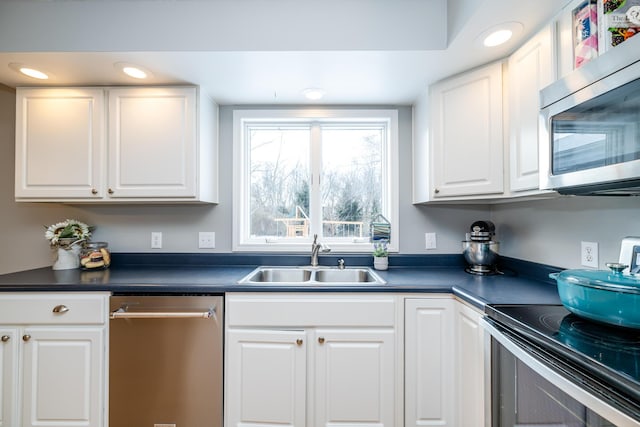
[310, 310]
[28, 308]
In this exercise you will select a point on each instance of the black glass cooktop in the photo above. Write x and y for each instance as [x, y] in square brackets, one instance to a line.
[610, 353]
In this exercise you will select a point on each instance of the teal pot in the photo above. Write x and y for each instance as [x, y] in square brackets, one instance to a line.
[604, 296]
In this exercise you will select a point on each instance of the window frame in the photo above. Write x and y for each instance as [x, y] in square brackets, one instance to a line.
[390, 167]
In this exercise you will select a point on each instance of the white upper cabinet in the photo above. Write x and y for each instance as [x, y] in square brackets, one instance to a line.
[464, 140]
[466, 113]
[531, 68]
[145, 144]
[60, 141]
[475, 135]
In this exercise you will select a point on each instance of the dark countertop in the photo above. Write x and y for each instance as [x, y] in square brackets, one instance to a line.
[528, 286]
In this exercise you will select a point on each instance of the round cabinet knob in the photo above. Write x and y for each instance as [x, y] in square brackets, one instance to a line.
[321, 340]
[110, 191]
[26, 337]
[94, 191]
[299, 341]
[436, 191]
[60, 309]
[5, 338]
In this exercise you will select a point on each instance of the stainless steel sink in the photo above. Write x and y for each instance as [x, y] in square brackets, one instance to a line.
[279, 275]
[318, 276]
[351, 275]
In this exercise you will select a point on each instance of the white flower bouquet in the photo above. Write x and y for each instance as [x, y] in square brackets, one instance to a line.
[67, 233]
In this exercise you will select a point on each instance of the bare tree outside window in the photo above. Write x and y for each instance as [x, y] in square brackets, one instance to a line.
[351, 184]
[351, 189]
[279, 195]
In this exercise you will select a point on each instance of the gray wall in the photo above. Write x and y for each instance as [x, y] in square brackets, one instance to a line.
[547, 231]
[127, 228]
[550, 231]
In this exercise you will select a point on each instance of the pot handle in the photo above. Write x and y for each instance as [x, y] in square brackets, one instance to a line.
[554, 276]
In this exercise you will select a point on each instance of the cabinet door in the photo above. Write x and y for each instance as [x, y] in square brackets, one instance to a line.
[59, 143]
[467, 133]
[429, 363]
[8, 377]
[266, 378]
[470, 367]
[354, 377]
[63, 377]
[530, 69]
[152, 142]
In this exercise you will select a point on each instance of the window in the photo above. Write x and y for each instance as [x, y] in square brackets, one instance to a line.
[298, 173]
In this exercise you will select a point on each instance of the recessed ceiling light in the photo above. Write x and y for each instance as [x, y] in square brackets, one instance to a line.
[313, 94]
[497, 38]
[28, 71]
[499, 34]
[131, 70]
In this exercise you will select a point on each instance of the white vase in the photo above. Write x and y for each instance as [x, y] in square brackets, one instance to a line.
[67, 258]
[380, 262]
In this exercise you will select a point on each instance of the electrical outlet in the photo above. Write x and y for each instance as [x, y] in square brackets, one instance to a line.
[206, 240]
[430, 240]
[156, 240]
[589, 254]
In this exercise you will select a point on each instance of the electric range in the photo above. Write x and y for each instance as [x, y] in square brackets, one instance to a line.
[605, 357]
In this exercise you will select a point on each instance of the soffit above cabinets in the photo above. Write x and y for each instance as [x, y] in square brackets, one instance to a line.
[261, 51]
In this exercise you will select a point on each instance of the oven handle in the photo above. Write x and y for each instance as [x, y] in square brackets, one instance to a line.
[584, 397]
[122, 313]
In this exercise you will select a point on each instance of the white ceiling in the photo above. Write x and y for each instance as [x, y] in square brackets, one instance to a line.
[262, 51]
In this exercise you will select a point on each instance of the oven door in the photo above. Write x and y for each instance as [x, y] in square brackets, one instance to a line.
[532, 387]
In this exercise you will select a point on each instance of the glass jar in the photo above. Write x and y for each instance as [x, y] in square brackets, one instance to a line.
[95, 256]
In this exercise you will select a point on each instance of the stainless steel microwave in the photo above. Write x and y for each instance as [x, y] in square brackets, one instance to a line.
[590, 127]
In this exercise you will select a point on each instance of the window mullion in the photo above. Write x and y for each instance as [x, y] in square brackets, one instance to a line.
[315, 194]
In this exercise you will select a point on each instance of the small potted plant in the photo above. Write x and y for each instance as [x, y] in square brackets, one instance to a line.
[67, 237]
[380, 255]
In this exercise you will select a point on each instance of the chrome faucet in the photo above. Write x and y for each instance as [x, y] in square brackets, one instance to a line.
[315, 248]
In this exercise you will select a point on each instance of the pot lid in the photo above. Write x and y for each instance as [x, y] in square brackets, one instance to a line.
[612, 280]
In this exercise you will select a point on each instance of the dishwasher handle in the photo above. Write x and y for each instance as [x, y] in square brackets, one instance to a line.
[123, 313]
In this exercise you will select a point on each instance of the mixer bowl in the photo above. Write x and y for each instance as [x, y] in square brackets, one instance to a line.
[480, 253]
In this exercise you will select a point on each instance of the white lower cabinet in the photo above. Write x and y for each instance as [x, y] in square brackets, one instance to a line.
[472, 359]
[354, 377]
[429, 362]
[445, 368]
[266, 377]
[329, 360]
[52, 360]
[8, 376]
[311, 360]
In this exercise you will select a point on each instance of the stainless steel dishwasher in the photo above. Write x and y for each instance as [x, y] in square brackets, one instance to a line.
[165, 361]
